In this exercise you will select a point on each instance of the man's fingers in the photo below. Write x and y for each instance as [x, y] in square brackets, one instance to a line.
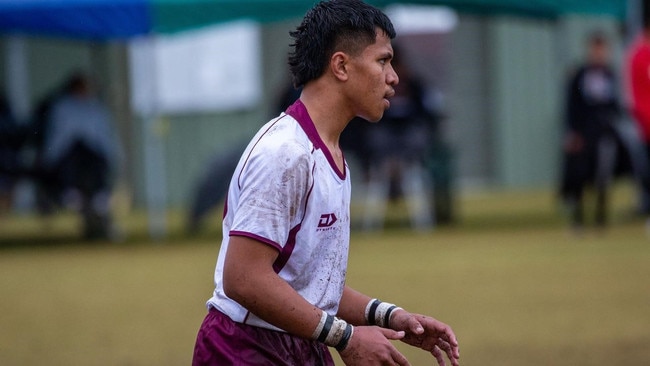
[453, 345]
[392, 334]
[437, 353]
[452, 352]
[451, 338]
[400, 359]
[415, 326]
[397, 357]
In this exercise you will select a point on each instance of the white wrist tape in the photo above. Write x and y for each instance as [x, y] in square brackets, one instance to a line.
[333, 331]
[379, 312]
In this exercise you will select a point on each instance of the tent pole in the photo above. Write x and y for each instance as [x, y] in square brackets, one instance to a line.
[633, 19]
[155, 180]
[154, 159]
[17, 77]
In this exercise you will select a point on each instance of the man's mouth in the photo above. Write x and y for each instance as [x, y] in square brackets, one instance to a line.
[387, 97]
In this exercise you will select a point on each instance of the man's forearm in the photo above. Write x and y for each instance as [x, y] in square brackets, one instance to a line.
[353, 306]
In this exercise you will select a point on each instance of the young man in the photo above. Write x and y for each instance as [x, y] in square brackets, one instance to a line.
[280, 296]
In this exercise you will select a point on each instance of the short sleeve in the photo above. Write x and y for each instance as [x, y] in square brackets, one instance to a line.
[274, 185]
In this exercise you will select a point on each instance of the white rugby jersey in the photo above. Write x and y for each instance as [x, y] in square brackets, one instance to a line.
[287, 192]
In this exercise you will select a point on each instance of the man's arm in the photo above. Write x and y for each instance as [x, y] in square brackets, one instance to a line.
[250, 280]
[353, 306]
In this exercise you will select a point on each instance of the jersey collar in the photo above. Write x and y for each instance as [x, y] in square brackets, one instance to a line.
[299, 112]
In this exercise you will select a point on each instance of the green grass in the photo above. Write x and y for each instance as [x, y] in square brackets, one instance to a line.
[516, 286]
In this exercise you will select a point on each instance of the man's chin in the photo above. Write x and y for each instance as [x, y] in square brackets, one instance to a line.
[373, 119]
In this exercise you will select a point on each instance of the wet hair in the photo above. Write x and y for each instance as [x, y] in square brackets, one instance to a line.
[331, 26]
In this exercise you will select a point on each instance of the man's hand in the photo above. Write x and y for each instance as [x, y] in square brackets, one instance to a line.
[371, 346]
[428, 334]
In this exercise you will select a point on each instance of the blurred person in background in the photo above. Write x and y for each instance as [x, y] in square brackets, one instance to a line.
[46, 192]
[638, 77]
[12, 139]
[592, 108]
[80, 152]
[399, 148]
[211, 186]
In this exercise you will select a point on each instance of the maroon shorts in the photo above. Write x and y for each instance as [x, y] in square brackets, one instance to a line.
[222, 341]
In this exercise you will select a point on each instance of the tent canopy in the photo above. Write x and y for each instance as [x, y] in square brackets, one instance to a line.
[122, 19]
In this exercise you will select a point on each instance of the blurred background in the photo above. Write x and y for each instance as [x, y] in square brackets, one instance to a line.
[121, 122]
[187, 82]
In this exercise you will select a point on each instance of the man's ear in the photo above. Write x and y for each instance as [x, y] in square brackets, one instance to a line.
[339, 65]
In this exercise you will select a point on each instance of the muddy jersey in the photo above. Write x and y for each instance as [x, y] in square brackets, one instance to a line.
[287, 192]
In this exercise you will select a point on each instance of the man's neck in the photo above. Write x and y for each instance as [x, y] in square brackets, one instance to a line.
[326, 111]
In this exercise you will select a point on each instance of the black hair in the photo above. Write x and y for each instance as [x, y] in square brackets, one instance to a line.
[329, 27]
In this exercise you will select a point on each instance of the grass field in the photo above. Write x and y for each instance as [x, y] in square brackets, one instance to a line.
[515, 285]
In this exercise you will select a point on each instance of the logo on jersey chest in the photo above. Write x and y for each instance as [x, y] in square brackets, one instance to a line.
[326, 220]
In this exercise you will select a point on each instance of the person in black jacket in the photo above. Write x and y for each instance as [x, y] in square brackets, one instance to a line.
[589, 141]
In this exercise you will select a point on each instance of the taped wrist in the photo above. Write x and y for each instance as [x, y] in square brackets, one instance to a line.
[333, 331]
[379, 313]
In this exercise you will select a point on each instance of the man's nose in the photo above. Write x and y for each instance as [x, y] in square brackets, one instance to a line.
[392, 78]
